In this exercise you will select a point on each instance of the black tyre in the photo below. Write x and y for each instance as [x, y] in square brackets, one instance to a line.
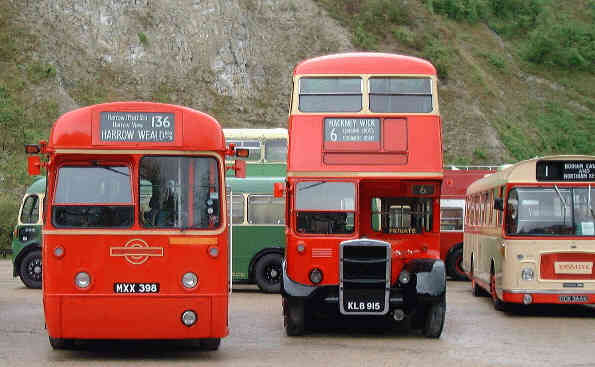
[210, 343]
[30, 270]
[293, 316]
[59, 343]
[434, 319]
[268, 273]
[498, 304]
[453, 265]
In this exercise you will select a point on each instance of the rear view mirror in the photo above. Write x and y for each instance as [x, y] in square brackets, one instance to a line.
[498, 204]
[34, 165]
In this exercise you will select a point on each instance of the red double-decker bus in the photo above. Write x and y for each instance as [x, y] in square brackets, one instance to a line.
[452, 214]
[363, 192]
[135, 237]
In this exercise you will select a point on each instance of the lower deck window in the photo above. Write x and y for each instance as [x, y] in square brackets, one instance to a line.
[401, 215]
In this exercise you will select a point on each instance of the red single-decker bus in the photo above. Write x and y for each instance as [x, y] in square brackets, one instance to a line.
[135, 237]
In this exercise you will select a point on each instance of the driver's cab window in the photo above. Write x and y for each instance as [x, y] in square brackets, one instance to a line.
[401, 215]
[30, 212]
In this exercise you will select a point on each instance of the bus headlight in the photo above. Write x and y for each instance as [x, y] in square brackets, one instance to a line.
[189, 280]
[189, 318]
[82, 279]
[315, 276]
[527, 274]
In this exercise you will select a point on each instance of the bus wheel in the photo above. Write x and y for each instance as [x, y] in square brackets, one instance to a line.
[59, 343]
[293, 316]
[434, 319]
[498, 304]
[30, 270]
[268, 273]
[210, 343]
[453, 265]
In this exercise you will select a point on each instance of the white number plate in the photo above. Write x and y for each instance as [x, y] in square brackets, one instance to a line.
[136, 287]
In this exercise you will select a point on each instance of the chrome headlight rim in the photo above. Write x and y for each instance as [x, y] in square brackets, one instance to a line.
[527, 274]
[315, 276]
[82, 280]
[189, 280]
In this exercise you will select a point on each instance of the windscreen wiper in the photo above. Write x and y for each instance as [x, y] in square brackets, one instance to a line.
[561, 198]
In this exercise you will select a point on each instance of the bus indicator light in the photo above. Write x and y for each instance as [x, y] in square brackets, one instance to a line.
[189, 318]
[213, 251]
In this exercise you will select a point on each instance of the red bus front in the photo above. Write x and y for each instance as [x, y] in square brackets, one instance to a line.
[135, 235]
[363, 189]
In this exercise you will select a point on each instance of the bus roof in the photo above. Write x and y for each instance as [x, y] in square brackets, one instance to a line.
[255, 133]
[521, 172]
[38, 186]
[84, 128]
[365, 63]
[255, 185]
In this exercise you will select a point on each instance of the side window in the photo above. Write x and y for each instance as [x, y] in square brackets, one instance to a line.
[451, 219]
[275, 150]
[30, 212]
[266, 209]
[237, 211]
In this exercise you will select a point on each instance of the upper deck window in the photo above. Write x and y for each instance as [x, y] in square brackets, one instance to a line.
[94, 196]
[325, 207]
[330, 94]
[185, 192]
[401, 95]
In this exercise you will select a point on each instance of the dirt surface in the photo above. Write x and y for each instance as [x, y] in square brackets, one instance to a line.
[474, 335]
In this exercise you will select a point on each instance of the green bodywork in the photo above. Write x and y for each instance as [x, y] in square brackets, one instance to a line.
[250, 241]
[28, 235]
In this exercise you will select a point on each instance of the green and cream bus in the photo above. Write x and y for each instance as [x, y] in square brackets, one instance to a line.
[267, 150]
[530, 232]
[26, 238]
[258, 232]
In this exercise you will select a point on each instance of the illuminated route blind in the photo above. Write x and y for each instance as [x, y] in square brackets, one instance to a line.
[139, 127]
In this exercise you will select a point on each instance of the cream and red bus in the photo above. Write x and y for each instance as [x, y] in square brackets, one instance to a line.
[530, 232]
[364, 170]
[135, 229]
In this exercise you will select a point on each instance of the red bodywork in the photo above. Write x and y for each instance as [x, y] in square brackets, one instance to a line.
[97, 311]
[409, 153]
[454, 187]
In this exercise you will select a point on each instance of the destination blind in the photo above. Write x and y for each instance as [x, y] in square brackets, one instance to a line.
[352, 129]
[565, 171]
[141, 127]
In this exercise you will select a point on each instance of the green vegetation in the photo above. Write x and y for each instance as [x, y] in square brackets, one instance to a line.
[143, 39]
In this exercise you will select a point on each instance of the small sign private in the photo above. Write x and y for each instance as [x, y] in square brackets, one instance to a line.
[137, 127]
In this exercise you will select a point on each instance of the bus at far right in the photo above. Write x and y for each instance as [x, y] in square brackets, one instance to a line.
[530, 232]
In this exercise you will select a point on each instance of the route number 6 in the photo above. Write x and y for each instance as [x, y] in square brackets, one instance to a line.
[333, 135]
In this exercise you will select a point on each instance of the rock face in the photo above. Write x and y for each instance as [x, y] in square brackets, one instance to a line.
[230, 58]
